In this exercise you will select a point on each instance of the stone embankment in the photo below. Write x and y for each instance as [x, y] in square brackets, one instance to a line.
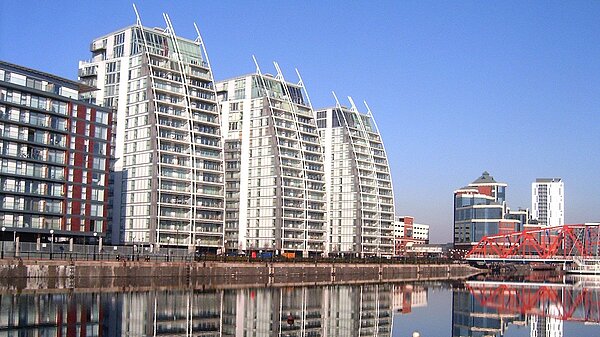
[31, 274]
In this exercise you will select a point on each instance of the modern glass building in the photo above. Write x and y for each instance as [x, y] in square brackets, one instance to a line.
[480, 210]
[359, 183]
[168, 173]
[54, 158]
[275, 181]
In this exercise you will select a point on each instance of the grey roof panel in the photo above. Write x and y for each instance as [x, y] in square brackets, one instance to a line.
[485, 178]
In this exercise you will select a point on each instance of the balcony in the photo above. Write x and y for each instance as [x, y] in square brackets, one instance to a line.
[98, 45]
[88, 71]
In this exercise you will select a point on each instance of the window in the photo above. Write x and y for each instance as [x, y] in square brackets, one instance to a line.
[102, 117]
[99, 164]
[99, 148]
[96, 210]
[100, 132]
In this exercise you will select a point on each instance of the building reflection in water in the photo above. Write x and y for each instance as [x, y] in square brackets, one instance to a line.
[360, 310]
[485, 308]
[408, 296]
[471, 318]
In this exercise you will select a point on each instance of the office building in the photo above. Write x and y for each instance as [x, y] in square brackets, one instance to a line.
[480, 210]
[54, 158]
[168, 184]
[547, 202]
[407, 233]
[522, 215]
[274, 170]
[359, 183]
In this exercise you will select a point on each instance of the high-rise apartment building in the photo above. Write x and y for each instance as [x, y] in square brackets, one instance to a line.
[359, 183]
[54, 157]
[480, 210]
[274, 172]
[168, 180]
[547, 202]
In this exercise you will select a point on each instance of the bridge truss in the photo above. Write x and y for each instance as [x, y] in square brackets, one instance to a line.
[552, 244]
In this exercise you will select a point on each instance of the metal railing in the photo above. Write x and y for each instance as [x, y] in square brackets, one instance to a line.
[89, 252]
[92, 252]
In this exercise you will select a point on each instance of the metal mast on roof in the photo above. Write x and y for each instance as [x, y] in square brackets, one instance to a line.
[337, 101]
[204, 52]
[352, 105]
[301, 84]
[138, 21]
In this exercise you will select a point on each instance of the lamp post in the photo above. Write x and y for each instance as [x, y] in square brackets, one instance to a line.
[2, 254]
[51, 243]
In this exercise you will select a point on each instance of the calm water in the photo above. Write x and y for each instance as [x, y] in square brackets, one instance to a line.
[546, 307]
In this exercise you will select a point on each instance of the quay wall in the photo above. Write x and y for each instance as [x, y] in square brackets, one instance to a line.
[11, 269]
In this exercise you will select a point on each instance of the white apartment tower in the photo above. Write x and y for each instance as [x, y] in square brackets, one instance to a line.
[359, 184]
[168, 180]
[274, 172]
[547, 202]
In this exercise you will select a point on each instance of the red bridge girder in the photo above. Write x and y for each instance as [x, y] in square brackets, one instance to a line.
[566, 241]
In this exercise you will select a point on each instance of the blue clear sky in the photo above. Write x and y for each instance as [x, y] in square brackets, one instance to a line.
[457, 87]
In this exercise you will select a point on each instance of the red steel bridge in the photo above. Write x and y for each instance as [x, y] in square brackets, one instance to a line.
[561, 244]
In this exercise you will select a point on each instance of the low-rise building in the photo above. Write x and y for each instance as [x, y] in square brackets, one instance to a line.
[408, 233]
